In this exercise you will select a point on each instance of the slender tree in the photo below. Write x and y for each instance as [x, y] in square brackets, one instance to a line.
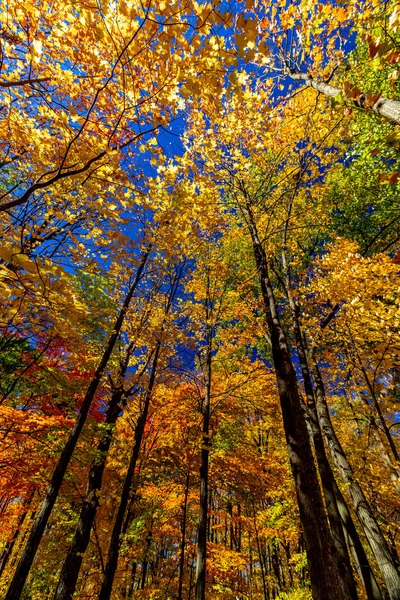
[326, 579]
[201, 563]
[17, 584]
[113, 549]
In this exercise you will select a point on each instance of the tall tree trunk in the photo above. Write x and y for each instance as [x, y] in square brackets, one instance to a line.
[326, 580]
[337, 508]
[360, 558]
[273, 554]
[373, 533]
[145, 563]
[200, 589]
[25, 563]
[73, 561]
[325, 471]
[250, 563]
[232, 541]
[6, 553]
[183, 541]
[260, 558]
[390, 109]
[131, 585]
[144, 574]
[335, 522]
[191, 585]
[14, 559]
[289, 566]
[239, 534]
[113, 550]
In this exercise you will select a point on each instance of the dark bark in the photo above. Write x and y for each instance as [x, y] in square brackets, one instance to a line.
[231, 534]
[25, 563]
[191, 585]
[337, 507]
[21, 82]
[327, 480]
[360, 559]
[145, 564]
[51, 177]
[239, 536]
[325, 471]
[390, 109]
[144, 574]
[200, 589]
[131, 586]
[260, 558]
[326, 580]
[373, 533]
[289, 566]
[73, 561]
[183, 540]
[275, 567]
[342, 527]
[6, 553]
[113, 550]
[328, 485]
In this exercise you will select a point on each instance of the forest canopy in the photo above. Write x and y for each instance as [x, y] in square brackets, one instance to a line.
[200, 310]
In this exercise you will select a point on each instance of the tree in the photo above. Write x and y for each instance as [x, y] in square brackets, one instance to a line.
[36, 533]
[199, 318]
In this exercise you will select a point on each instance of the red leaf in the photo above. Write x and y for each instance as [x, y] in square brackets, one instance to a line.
[394, 178]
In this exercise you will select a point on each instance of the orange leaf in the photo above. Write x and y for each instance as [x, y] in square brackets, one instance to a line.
[394, 178]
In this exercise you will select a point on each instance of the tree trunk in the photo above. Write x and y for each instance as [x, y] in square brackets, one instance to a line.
[239, 534]
[373, 533]
[191, 579]
[325, 471]
[145, 563]
[25, 563]
[326, 580]
[131, 585]
[337, 507]
[390, 109]
[200, 589]
[72, 563]
[356, 548]
[183, 541]
[113, 550]
[289, 566]
[327, 480]
[6, 553]
[262, 563]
